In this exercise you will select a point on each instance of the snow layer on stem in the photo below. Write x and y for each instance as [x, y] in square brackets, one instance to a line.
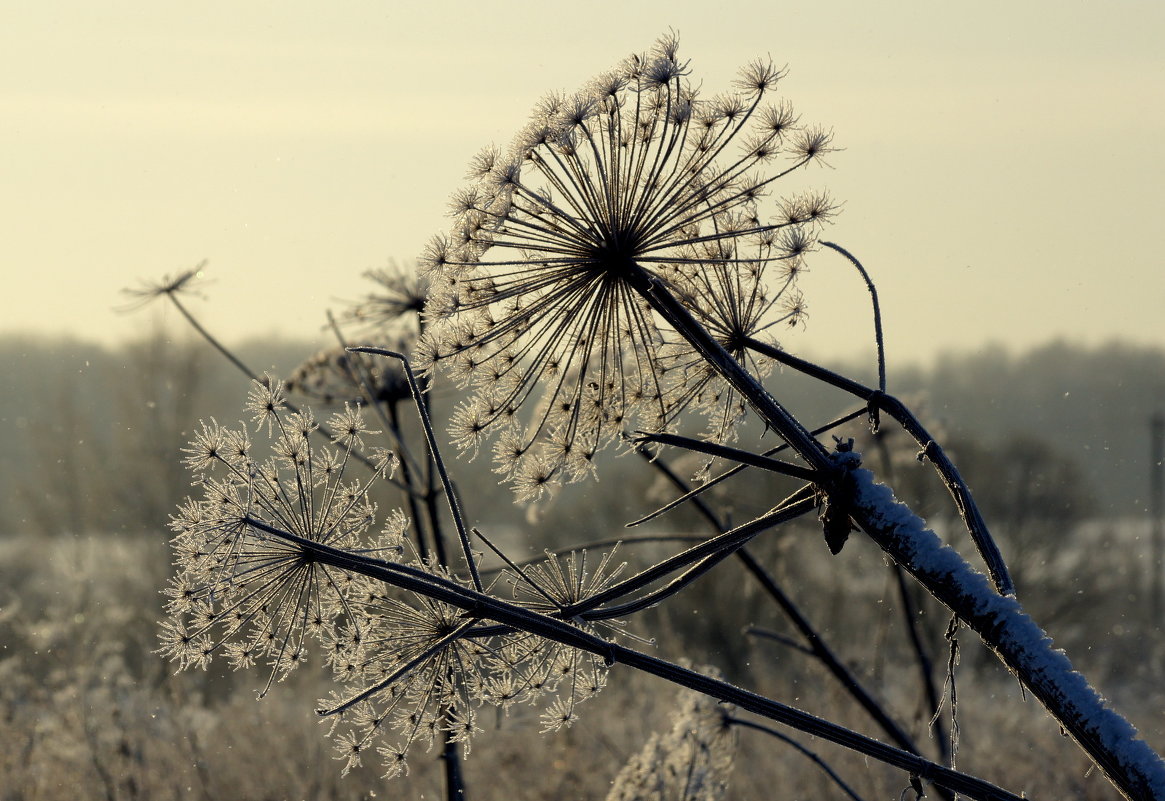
[1001, 622]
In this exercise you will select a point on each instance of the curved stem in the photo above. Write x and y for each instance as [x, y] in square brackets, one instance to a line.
[358, 374]
[811, 756]
[214, 343]
[877, 311]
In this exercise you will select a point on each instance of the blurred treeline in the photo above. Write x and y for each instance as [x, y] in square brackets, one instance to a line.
[92, 434]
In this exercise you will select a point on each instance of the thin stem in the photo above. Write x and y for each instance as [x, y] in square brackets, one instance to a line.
[391, 418]
[690, 493]
[733, 454]
[202, 332]
[827, 657]
[410, 497]
[402, 671]
[247, 371]
[517, 569]
[716, 548]
[600, 544]
[358, 374]
[877, 311]
[775, 636]
[435, 453]
[810, 755]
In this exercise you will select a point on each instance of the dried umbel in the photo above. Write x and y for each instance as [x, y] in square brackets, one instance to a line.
[691, 761]
[393, 307]
[410, 674]
[255, 585]
[417, 670]
[241, 590]
[336, 376]
[536, 297]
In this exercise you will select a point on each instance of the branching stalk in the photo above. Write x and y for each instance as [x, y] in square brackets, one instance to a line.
[480, 605]
[817, 646]
[997, 619]
[931, 450]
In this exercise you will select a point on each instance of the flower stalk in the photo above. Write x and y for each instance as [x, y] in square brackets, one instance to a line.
[480, 605]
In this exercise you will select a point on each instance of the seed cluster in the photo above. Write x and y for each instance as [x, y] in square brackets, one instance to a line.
[533, 305]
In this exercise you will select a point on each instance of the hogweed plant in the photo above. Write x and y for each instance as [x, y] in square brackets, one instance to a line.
[615, 273]
[537, 295]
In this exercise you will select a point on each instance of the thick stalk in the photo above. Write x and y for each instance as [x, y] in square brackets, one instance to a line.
[998, 620]
[879, 401]
[454, 780]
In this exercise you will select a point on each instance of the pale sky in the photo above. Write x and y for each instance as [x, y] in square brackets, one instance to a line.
[1002, 175]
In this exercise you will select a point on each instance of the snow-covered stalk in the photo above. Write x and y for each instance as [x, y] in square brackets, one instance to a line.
[999, 620]
[1109, 739]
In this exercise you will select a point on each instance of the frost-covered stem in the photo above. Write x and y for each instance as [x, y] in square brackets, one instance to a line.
[911, 621]
[934, 453]
[998, 619]
[481, 605]
[1001, 623]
